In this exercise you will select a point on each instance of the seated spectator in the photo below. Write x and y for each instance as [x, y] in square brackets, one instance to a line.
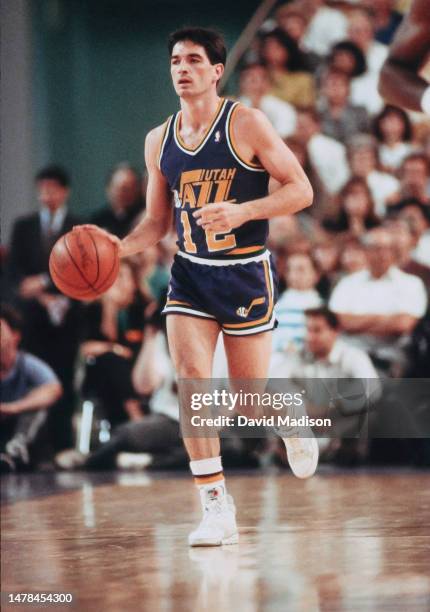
[326, 26]
[404, 250]
[327, 156]
[113, 335]
[356, 214]
[393, 130]
[301, 277]
[361, 31]
[51, 321]
[414, 179]
[352, 258]
[289, 81]
[125, 201]
[385, 18]
[29, 389]
[152, 273]
[322, 200]
[417, 218]
[364, 89]
[364, 163]
[291, 19]
[254, 86]
[154, 439]
[379, 308]
[326, 356]
[348, 58]
[326, 255]
[339, 118]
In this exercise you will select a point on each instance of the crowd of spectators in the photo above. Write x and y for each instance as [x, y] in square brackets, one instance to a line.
[354, 269]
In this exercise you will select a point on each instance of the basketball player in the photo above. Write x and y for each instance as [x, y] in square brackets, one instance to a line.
[216, 157]
[400, 83]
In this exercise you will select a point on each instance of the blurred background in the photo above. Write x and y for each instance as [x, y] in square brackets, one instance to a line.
[82, 83]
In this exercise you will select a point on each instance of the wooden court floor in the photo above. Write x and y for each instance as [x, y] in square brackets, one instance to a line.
[339, 541]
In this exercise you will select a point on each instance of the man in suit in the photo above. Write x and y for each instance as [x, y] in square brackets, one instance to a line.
[51, 320]
[124, 200]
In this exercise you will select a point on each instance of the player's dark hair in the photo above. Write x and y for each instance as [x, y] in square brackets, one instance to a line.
[11, 316]
[211, 40]
[323, 312]
[355, 51]
[54, 173]
[393, 110]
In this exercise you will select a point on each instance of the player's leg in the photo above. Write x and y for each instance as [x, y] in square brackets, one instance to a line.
[248, 359]
[192, 344]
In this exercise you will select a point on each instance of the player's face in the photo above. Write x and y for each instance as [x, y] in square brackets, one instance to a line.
[51, 194]
[192, 73]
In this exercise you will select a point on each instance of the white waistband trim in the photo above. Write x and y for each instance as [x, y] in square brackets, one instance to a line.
[225, 262]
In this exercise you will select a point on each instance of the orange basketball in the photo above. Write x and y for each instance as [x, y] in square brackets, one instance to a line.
[84, 263]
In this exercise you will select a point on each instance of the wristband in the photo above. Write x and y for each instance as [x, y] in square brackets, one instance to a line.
[425, 101]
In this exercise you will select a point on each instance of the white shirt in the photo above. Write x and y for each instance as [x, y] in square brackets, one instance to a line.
[364, 92]
[343, 361]
[328, 157]
[281, 114]
[421, 253]
[52, 222]
[394, 293]
[392, 157]
[376, 55]
[327, 27]
[382, 185]
[290, 313]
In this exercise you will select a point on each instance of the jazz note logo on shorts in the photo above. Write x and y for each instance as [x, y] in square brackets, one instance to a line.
[243, 312]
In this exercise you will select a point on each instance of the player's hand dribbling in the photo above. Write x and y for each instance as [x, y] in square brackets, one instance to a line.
[114, 239]
[220, 217]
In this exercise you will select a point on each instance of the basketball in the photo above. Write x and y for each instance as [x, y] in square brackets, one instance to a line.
[84, 263]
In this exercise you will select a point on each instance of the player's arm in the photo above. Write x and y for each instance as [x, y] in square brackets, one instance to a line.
[258, 139]
[158, 215]
[399, 83]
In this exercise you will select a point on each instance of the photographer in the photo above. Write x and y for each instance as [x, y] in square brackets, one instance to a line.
[29, 389]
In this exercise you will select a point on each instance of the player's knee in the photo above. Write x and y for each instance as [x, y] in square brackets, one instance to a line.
[193, 370]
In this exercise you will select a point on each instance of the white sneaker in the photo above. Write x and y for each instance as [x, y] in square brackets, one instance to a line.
[218, 525]
[302, 455]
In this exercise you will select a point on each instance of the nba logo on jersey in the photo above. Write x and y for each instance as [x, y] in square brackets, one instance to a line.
[177, 199]
[217, 136]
